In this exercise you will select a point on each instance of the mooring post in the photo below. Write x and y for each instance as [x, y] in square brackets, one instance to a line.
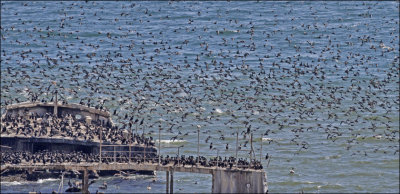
[167, 184]
[172, 182]
[85, 181]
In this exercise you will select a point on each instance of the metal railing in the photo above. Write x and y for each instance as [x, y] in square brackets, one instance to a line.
[122, 153]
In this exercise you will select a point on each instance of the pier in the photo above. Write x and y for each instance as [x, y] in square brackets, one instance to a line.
[224, 180]
[125, 151]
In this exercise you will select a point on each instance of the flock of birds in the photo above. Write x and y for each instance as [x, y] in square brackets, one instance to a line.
[66, 126]
[269, 74]
[46, 157]
[55, 157]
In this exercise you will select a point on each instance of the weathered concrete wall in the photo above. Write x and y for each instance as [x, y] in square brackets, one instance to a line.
[73, 109]
[40, 110]
[82, 113]
[234, 181]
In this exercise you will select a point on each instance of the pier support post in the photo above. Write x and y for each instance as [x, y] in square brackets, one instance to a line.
[167, 184]
[172, 182]
[85, 182]
[236, 181]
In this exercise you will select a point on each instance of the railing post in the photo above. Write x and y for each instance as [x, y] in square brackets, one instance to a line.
[144, 153]
[261, 147]
[143, 131]
[101, 137]
[130, 153]
[114, 155]
[237, 140]
[178, 155]
[198, 142]
[217, 157]
[159, 146]
[251, 149]
[55, 111]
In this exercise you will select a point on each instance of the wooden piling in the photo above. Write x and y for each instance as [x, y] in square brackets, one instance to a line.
[172, 182]
[167, 184]
[85, 182]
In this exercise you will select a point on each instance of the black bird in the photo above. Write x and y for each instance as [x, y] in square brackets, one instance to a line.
[141, 122]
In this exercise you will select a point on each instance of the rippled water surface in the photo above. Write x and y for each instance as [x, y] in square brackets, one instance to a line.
[319, 79]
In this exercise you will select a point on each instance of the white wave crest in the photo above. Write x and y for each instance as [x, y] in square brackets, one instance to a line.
[172, 141]
[46, 180]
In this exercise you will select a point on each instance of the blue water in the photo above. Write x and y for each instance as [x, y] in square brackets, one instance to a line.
[301, 70]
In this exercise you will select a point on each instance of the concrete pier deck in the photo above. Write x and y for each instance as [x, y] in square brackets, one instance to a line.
[224, 180]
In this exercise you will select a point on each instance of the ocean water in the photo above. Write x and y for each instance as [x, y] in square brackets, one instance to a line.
[320, 78]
